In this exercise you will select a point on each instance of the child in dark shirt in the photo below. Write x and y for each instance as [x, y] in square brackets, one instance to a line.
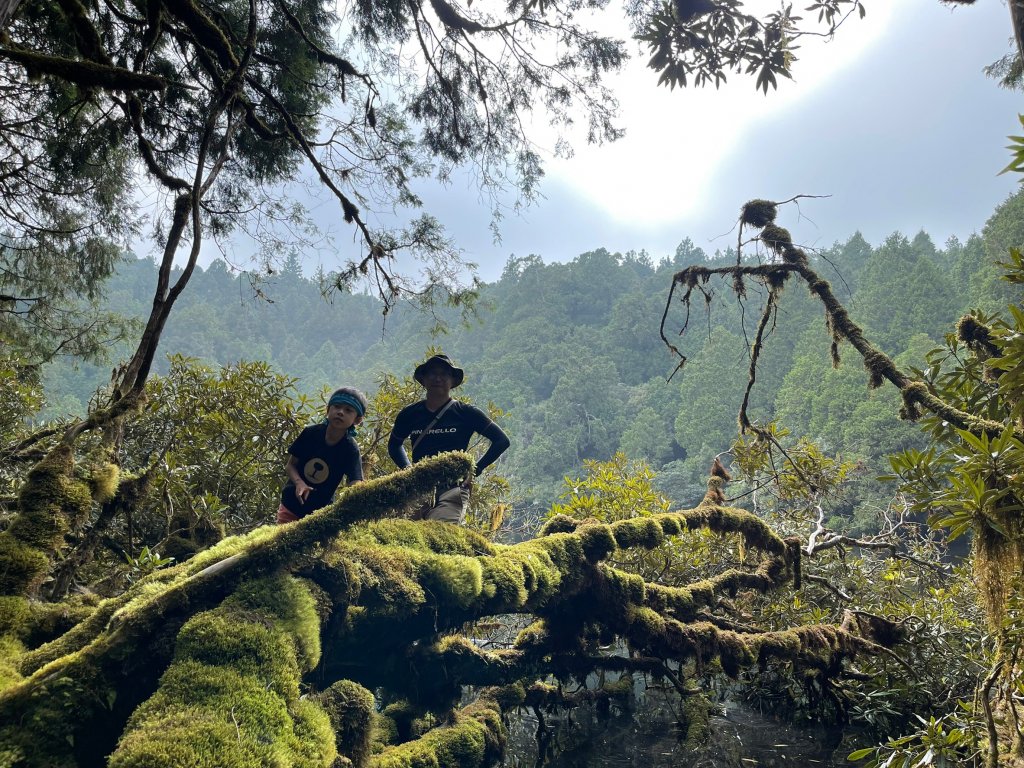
[322, 455]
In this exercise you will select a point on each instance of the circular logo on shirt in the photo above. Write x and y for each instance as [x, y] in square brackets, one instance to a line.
[316, 471]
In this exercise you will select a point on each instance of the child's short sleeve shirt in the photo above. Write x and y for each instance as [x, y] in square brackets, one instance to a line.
[322, 466]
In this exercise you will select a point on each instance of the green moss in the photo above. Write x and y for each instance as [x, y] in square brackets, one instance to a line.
[402, 715]
[74, 639]
[695, 719]
[103, 480]
[565, 552]
[734, 653]
[350, 708]
[51, 503]
[236, 674]
[597, 541]
[487, 711]
[621, 588]
[198, 739]
[509, 696]
[13, 613]
[702, 592]
[226, 548]
[383, 733]
[644, 623]
[676, 600]
[777, 238]
[48, 621]
[323, 604]
[291, 604]
[452, 579]
[215, 639]
[781, 645]
[473, 740]
[23, 567]
[541, 578]
[281, 645]
[531, 567]
[39, 502]
[383, 578]
[10, 649]
[507, 582]
[627, 533]
[670, 525]
[558, 524]
[243, 698]
[759, 213]
[536, 634]
[314, 744]
[423, 535]
[756, 533]
[58, 505]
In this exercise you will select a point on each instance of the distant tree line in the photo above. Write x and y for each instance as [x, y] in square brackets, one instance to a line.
[570, 351]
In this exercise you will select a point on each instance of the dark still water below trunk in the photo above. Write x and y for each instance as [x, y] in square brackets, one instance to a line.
[649, 737]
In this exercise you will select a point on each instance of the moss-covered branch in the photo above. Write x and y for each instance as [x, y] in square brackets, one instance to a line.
[86, 74]
[112, 662]
[206, 658]
[474, 738]
[52, 502]
[916, 394]
[231, 696]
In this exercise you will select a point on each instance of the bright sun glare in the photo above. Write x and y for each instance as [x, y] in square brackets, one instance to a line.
[676, 140]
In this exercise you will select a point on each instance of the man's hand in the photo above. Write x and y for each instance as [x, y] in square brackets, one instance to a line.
[302, 490]
[467, 484]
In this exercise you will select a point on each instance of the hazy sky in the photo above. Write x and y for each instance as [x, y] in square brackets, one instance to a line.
[894, 119]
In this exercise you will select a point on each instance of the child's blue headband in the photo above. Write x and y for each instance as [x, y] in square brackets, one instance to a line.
[344, 398]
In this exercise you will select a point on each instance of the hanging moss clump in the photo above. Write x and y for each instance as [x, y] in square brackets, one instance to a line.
[759, 213]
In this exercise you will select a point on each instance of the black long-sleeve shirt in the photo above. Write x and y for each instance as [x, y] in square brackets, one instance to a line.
[451, 433]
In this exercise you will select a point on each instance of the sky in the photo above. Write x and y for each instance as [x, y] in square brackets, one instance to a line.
[893, 123]
[894, 120]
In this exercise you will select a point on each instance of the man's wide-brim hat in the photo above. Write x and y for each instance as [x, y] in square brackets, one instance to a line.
[457, 373]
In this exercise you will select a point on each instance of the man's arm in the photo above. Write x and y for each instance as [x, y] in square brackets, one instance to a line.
[499, 444]
[396, 449]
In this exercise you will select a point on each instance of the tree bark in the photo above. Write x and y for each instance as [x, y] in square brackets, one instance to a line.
[7, 9]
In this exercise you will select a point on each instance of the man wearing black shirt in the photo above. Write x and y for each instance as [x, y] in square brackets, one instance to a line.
[431, 435]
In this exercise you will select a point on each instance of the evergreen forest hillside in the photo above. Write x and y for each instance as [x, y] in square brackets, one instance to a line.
[571, 351]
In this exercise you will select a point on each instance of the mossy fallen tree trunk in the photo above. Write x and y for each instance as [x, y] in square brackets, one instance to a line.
[80, 689]
[202, 664]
